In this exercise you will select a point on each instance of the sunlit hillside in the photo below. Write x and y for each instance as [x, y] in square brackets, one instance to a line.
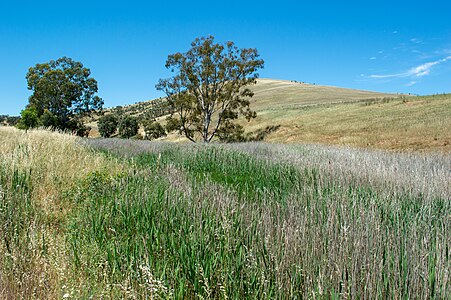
[310, 113]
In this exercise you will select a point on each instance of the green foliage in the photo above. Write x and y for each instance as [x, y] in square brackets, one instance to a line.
[49, 120]
[29, 118]
[208, 90]
[153, 130]
[231, 133]
[128, 127]
[65, 90]
[248, 221]
[107, 125]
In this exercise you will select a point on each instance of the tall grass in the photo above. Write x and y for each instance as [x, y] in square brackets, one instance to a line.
[140, 220]
[300, 229]
[36, 169]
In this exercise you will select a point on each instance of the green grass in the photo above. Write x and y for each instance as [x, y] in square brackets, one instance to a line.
[355, 240]
[247, 221]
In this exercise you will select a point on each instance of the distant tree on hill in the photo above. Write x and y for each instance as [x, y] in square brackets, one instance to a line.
[107, 125]
[128, 127]
[208, 91]
[153, 130]
[64, 90]
[9, 120]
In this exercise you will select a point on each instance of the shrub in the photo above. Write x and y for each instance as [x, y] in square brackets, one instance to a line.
[128, 127]
[153, 130]
[107, 125]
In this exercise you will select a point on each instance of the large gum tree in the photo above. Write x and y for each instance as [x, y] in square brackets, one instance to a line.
[63, 91]
[209, 89]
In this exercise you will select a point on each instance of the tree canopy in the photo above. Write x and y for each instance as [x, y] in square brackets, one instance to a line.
[107, 125]
[209, 88]
[128, 127]
[63, 92]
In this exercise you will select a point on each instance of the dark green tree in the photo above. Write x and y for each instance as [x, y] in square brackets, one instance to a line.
[153, 130]
[29, 119]
[65, 90]
[107, 125]
[128, 127]
[49, 120]
[209, 88]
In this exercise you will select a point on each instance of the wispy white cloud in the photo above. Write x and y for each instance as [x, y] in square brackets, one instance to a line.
[373, 58]
[418, 71]
[416, 41]
[411, 83]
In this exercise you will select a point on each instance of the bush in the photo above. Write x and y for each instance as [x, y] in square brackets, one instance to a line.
[153, 130]
[128, 127]
[107, 125]
[29, 118]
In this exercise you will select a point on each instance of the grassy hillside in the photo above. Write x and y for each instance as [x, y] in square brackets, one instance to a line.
[307, 113]
[410, 123]
[124, 219]
[273, 94]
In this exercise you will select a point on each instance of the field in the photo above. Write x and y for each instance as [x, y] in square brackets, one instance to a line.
[115, 219]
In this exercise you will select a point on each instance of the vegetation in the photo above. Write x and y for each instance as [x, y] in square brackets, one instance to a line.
[138, 219]
[209, 89]
[153, 130]
[107, 125]
[9, 120]
[63, 92]
[304, 113]
[396, 123]
[28, 119]
[128, 127]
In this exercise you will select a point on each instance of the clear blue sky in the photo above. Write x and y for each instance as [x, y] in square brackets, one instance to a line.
[390, 46]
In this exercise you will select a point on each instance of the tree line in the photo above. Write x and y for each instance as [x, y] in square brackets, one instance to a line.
[207, 93]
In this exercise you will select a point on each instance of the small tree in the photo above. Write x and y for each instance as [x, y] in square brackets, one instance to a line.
[29, 118]
[107, 125]
[153, 130]
[128, 127]
[208, 90]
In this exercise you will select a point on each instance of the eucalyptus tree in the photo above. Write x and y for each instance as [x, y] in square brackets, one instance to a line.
[64, 91]
[209, 89]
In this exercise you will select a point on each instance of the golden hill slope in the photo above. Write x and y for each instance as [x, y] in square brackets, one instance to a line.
[284, 94]
[412, 123]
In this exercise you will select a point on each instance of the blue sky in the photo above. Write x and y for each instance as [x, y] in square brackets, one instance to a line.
[373, 45]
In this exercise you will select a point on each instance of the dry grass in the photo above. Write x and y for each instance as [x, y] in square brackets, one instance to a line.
[286, 95]
[36, 168]
[414, 123]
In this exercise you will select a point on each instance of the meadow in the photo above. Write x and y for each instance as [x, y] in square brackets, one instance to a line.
[129, 219]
